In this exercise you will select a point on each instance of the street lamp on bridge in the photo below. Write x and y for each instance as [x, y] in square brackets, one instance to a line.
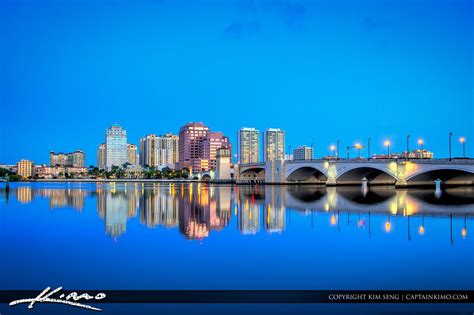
[368, 148]
[408, 147]
[421, 142]
[332, 148]
[387, 144]
[358, 146]
[463, 141]
[450, 136]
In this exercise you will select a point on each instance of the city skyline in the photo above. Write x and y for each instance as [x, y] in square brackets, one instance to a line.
[346, 71]
[460, 147]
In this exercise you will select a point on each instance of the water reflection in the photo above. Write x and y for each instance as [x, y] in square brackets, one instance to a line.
[198, 210]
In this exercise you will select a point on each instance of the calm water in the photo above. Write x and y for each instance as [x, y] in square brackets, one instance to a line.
[196, 236]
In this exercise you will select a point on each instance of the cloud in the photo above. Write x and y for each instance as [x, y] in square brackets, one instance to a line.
[238, 29]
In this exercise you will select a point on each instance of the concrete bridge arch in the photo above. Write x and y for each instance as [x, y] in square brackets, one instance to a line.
[306, 173]
[375, 173]
[426, 174]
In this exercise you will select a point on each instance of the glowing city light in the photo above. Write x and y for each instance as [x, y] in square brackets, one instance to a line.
[421, 230]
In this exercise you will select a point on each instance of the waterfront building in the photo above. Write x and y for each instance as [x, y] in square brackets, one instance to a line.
[116, 150]
[249, 145]
[209, 146]
[101, 156]
[132, 154]
[48, 172]
[159, 151]
[303, 153]
[148, 151]
[198, 147]
[223, 171]
[75, 159]
[168, 151]
[190, 137]
[274, 144]
[25, 168]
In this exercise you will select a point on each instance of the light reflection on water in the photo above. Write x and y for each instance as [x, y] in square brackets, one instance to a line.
[289, 226]
[198, 209]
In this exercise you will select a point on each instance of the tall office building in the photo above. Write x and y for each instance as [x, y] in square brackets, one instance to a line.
[249, 145]
[208, 150]
[148, 150]
[74, 159]
[168, 150]
[274, 144]
[159, 151]
[116, 150]
[25, 168]
[303, 153]
[132, 154]
[198, 146]
[101, 156]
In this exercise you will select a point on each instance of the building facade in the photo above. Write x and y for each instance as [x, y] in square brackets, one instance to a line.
[73, 159]
[25, 168]
[274, 144]
[132, 154]
[159, 151]
[208, 150]
[47, 172]
[148, 150]
[116, 147]
[168, 151]
[223, 170]
[249, 145]
[190, 137]
[303, 153]
[198, 147]
[101, 156]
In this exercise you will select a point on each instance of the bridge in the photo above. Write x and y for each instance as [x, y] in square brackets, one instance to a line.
[400, 173]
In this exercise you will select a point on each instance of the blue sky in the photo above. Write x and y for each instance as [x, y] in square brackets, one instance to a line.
[321, 70]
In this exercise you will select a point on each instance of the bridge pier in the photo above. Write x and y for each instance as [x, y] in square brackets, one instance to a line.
[332, 174]
[401, 175]
[275, 172]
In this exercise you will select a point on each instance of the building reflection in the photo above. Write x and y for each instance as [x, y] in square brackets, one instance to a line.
[274, 210]
[24, 194]
[62, 198]
[198, 210]
[248, 202]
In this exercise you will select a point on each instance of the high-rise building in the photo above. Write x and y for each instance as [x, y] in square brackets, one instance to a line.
[190, 137]
[198, 146]
[132, 154]
[57, 159]
[168, 150]
[101, 156]
[25, 168]
[274, 144]
[72, 159]
[303, 153]
[249, 145]
[116, 150]
[148, 151]
[208, 150]
[77, 158]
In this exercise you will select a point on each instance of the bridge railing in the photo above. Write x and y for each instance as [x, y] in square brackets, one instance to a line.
[468, 161]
